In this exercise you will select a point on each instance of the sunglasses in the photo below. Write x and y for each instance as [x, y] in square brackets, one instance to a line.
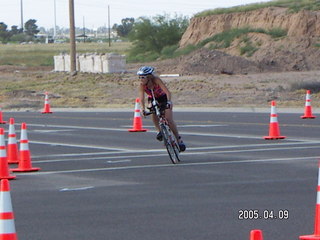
[142, 77]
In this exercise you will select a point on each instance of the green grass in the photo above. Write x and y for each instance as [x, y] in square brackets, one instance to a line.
[42, 54]
[292, 5]
[224, 39]
[248, 49]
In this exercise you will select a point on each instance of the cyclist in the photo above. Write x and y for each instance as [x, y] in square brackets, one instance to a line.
[148, 82]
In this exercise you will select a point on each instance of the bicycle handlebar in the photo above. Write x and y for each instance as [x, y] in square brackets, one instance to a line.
[155, 108]
[148, 113]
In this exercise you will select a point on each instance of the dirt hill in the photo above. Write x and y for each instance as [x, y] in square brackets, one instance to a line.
[296, 51]
[304, 24]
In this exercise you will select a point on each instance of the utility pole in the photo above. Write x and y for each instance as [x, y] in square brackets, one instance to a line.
[109, 26]
[55, 21]
[84, 30]
[73, 69]
[21, 11]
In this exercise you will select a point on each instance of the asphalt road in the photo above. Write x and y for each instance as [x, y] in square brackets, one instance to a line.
[98, 181]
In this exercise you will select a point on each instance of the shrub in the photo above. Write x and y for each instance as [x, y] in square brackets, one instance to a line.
[312, 86]
[248, 49]
[169, 51]
[186, 50]
[143, 57]
[277, 32]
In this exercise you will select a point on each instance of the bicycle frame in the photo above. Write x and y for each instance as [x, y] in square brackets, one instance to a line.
[169, 139]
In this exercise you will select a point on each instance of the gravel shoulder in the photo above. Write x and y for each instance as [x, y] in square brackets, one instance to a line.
[24, 88]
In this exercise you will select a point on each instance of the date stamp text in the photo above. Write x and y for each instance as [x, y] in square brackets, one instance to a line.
[255, 214]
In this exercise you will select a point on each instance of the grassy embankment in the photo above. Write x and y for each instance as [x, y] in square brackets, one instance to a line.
[24, 87]
[292, 5]
[42, 54]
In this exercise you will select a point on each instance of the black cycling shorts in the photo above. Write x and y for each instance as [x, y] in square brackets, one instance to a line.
[162, 100]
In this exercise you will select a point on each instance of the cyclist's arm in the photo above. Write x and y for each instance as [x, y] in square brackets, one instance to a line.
[164, 88]
[141, 96]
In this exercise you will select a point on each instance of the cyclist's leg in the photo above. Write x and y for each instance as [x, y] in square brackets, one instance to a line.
[155, 121]
[171, 122]
[174, 129]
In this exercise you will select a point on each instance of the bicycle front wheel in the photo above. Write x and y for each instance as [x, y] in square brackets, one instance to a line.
[170, 143]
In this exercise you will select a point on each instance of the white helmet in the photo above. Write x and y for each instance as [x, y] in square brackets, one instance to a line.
[145, 70]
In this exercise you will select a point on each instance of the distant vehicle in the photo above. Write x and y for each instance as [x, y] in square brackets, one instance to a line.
[49, 39]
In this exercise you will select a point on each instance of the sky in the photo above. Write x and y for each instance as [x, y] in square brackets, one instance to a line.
[94, 13]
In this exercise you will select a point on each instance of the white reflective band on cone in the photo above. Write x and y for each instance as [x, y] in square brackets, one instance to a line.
[24, 146]
[7, 226]
[137, 114]
[12, 140]
[3, 153]
[2, 141]
[273, 119]
[12, 129]
[5, 199]
[318, 190]
[24, 135]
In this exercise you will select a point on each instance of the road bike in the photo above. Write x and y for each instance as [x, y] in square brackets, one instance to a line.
[169, 139]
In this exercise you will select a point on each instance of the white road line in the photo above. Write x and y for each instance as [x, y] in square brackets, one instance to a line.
[76, 154]
[152, 131]
[172, 165]
[79, 146]
[126, 150]
[76, 189]
[78, 127]
[165, 154]
[49, 131]
[120, 161]
[201, 125]
[185, 125]
[256, 145]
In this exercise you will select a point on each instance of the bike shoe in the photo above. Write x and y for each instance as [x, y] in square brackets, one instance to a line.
[182, 146]
[159, 137]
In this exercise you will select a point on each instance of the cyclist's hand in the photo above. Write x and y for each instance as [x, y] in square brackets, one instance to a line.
[169, 104]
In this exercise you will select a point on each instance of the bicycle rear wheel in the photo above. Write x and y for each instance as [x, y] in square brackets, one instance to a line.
[170, 143]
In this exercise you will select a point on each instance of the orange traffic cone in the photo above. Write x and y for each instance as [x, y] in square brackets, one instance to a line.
[13, 154]
[1, 119]
[308, 108]
[25, 156]
[274, 129]
[4, 168]
[256, 234]
[137, 121]
[7, 226]
[46, 108]
[316, 234]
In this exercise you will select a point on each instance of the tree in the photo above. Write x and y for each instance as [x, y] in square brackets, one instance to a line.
[152, 35]
[15, 30]
[31, 28]
[4, 34]
[125, 28]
